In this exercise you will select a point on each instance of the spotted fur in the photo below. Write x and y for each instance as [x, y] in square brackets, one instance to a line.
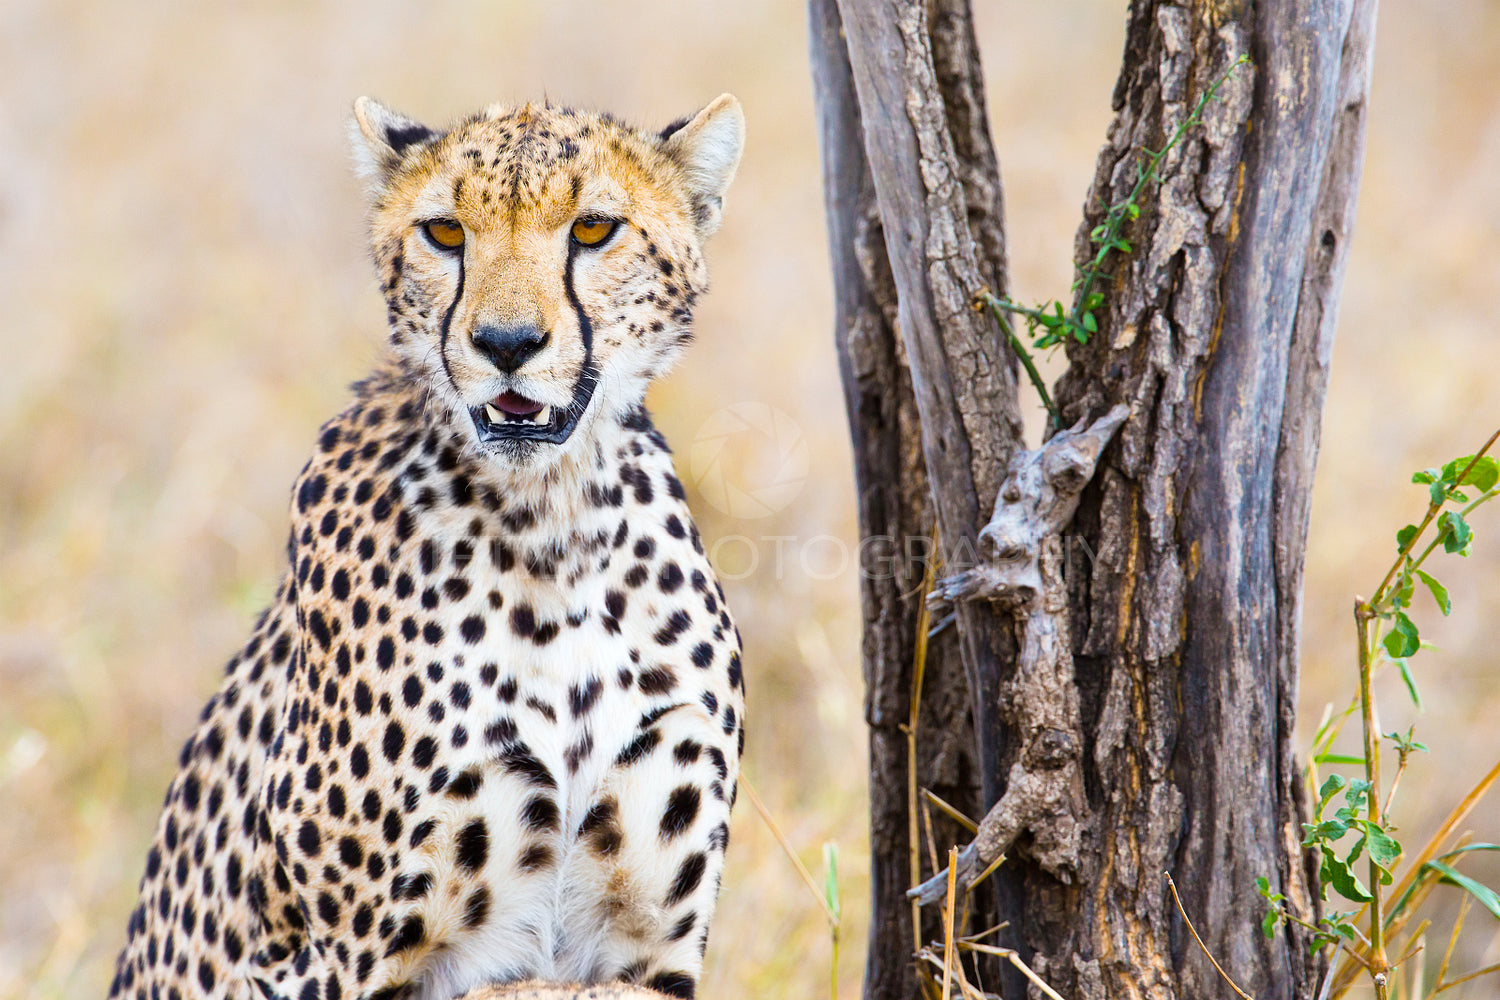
[489, 728]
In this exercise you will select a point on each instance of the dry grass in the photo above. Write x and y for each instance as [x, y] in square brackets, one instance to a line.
[185, 297]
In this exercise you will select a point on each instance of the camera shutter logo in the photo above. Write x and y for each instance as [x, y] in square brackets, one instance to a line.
[749, 460]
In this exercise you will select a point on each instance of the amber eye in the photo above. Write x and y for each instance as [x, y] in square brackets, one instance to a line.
[446, 233]
[592, 232]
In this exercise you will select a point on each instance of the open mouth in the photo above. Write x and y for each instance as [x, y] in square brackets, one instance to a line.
[511, 416]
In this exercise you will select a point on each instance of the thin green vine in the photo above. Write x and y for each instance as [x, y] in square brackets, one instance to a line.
[1048, 324]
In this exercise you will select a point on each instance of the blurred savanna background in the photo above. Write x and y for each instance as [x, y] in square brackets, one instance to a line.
[184, 296]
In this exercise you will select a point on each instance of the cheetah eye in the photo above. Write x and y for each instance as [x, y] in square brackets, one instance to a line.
[444, 233]
[593, 232]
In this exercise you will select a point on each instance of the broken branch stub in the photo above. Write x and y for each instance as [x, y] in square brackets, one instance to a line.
[1021, 571]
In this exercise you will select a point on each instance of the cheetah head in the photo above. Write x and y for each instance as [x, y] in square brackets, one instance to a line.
[540, 265]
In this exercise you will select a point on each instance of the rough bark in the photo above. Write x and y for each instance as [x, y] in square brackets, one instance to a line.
[1184, 588]
[896, 519]
[962, 378]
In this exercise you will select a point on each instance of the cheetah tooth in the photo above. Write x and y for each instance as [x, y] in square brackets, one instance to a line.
[544, 415]
[495, 415]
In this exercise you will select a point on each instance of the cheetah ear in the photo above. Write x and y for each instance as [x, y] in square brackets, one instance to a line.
[707, 147]
[381, 138]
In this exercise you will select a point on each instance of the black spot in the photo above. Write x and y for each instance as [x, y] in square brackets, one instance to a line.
[421, 832]
[205, 975]
[477, 907]
[399, 137]
[472, 629]
[638, 748]
[689, 876]
[502, 730]
[534, 857]
[673, 984]
[541, 814]
[677, 623]
[523, 621]
[423, 752]
[582, 698]
[466, 785]
[473, 846]
[669, 578]
[682, 809]
[394, 742]
[413, 932]
[308, 838]
[657, 680]
[519, 759]
[702, 655]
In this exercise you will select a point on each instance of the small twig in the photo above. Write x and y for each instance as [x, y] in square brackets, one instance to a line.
[1192, 930]
[975, 938]
[931, 843]
[953, 813]
[919, 669]
[812, 885]
[1015, 959]
[1328, 975]
[1464, 979]
[1402, 753]
[986, 873]
[1432, 512]
[948, 921]
[1458, 926]
[1037, 383]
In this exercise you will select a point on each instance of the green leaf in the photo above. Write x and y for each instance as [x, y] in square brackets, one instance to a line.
[1411, 684]
[1403, 638]
[831, 880]
[1328, 830]
[1358, 793]
[1454, 532]
[1269, 921]
[1478, 890]
[1384, 851]
[1425, 476]
[1404, 537]
[1401, 595]
[1484, 474]
[1338, 758]
[1470, 847]
[1336, 873]
[1089, 323]
[1437, 493]
[1439, 592]
[1331, 787]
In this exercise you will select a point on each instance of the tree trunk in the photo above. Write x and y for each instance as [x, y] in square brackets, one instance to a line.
[896, 520]
[1185, 589]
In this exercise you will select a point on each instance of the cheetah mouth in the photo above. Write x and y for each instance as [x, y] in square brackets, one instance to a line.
[511, 416]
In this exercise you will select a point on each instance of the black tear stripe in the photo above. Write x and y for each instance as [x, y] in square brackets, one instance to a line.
[585, 328]
[448, 319]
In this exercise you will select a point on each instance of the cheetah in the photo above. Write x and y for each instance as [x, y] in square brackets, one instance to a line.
[489, 728]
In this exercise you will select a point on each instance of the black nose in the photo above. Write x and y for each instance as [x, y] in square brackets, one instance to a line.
[509, 347]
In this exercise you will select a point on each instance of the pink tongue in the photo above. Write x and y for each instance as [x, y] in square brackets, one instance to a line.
[515, 404]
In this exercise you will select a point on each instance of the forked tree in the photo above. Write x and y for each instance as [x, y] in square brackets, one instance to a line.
[1177, 583]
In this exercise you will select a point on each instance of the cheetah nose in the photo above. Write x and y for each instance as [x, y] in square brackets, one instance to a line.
[509, 347]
